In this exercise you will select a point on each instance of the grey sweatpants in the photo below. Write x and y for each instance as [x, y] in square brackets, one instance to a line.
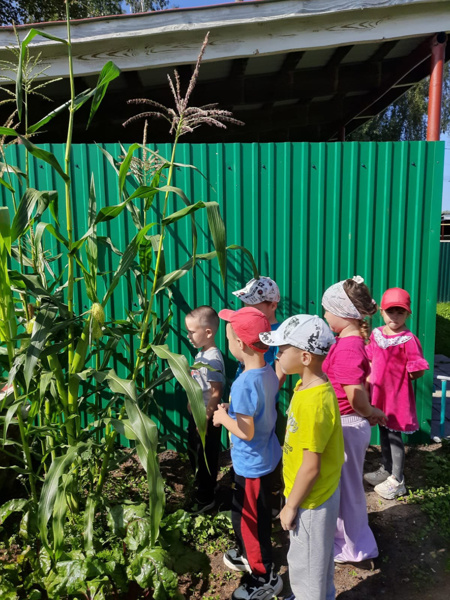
[311, 551]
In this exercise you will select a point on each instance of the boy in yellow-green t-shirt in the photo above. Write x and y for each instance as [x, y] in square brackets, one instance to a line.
[313, 455]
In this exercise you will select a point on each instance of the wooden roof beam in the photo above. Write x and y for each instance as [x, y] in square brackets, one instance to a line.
[405, 65]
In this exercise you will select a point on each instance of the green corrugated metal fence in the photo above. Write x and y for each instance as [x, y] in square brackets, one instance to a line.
[444, 273]
[311, 214]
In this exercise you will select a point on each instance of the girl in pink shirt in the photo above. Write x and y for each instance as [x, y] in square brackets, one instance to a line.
[397, 359]
[346, 303]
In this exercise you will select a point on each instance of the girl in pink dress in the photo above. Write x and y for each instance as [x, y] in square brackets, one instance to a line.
[346, 303]
[397, 359]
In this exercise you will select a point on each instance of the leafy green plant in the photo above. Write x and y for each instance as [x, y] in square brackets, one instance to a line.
[443, 328]
[58, 358]
[434, 497]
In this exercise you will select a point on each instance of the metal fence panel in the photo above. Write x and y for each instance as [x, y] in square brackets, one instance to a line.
[444, 273]
[311, 214]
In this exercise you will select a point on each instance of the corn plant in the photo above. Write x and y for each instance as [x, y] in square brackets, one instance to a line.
[57, 359]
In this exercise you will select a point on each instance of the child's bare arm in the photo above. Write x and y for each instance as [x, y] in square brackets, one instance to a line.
[417, 374]
[216, 395]
[243, 427]
[303, 484]
[281, 376]
[359, 400]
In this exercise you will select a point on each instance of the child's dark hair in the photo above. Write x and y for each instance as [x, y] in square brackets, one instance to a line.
[362, 300]
[207, 317]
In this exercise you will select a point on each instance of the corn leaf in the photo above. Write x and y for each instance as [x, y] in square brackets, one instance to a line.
[59, 466]
[23, 47]
[217, 229]
[42, 329]
[146, 435]
[181, 370]
[5, 229]
[170, 278]
[109, 72]
[91, 246]
[12, 506]
[47, 157]
[123, 170]
[59, 514]
[89, 518]
[78, 102]
[7, 185]
[162, 261]
[6, 168]
[22, 219]
[250, 256]
[41, 227]
[125, 262]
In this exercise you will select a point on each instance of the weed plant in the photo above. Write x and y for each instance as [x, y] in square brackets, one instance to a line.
[434, 497]
[442, 345]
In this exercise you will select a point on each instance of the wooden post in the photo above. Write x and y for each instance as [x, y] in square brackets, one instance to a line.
[435, 93]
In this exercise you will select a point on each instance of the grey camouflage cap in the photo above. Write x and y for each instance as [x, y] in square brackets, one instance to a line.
[307, 332]
[259, 290]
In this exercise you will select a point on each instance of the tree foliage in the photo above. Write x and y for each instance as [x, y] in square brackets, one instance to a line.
[406, 119]
[37, 11]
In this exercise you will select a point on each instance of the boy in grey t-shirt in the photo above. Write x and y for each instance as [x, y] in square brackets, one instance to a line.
[202, 324]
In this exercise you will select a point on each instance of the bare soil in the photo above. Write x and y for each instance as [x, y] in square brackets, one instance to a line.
[414, 560]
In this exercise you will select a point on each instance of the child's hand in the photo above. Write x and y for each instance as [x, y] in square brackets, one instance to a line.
[219, 415]
[287, 517]
[377, 417]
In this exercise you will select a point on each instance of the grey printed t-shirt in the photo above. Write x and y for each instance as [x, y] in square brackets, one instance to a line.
[212, 357]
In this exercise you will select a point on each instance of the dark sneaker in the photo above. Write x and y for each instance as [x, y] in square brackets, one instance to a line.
[235, 561]
[377, 476]
[257, 588]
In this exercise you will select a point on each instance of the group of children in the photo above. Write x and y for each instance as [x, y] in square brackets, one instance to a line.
[346, 385]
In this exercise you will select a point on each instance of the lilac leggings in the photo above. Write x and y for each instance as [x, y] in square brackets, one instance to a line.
[354, 540]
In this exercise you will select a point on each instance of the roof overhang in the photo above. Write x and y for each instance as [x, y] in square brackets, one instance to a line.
[290, 69]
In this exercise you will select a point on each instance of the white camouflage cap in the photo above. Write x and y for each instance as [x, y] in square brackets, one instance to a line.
[307, 332]
[259, 290]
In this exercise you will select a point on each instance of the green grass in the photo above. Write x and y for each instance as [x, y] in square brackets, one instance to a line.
[442, 345]
[434, 497]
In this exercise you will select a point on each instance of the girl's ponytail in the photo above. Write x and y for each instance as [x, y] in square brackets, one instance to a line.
[362, 299]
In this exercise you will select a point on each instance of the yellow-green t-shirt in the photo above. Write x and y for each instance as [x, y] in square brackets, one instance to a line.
[314, 424]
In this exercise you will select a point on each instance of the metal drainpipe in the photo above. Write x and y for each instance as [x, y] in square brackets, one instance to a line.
[435, 90]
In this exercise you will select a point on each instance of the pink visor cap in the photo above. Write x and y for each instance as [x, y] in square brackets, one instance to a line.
[396, 297]
[247, 323]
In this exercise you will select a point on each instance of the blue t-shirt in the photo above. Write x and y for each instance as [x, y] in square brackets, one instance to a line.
[253, 393]
[269, 356]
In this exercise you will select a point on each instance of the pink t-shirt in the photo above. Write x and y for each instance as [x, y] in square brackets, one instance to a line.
[346, 364]
[393, 357]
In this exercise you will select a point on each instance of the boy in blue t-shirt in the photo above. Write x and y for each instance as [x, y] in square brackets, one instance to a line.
[255, 453]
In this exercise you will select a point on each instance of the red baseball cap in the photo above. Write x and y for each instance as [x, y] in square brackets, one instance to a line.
[396, 297]
[247, 323]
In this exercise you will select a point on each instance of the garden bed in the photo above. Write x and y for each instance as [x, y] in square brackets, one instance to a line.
[414, 561]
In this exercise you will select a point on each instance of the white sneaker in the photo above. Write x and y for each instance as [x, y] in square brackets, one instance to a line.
[391, 488]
